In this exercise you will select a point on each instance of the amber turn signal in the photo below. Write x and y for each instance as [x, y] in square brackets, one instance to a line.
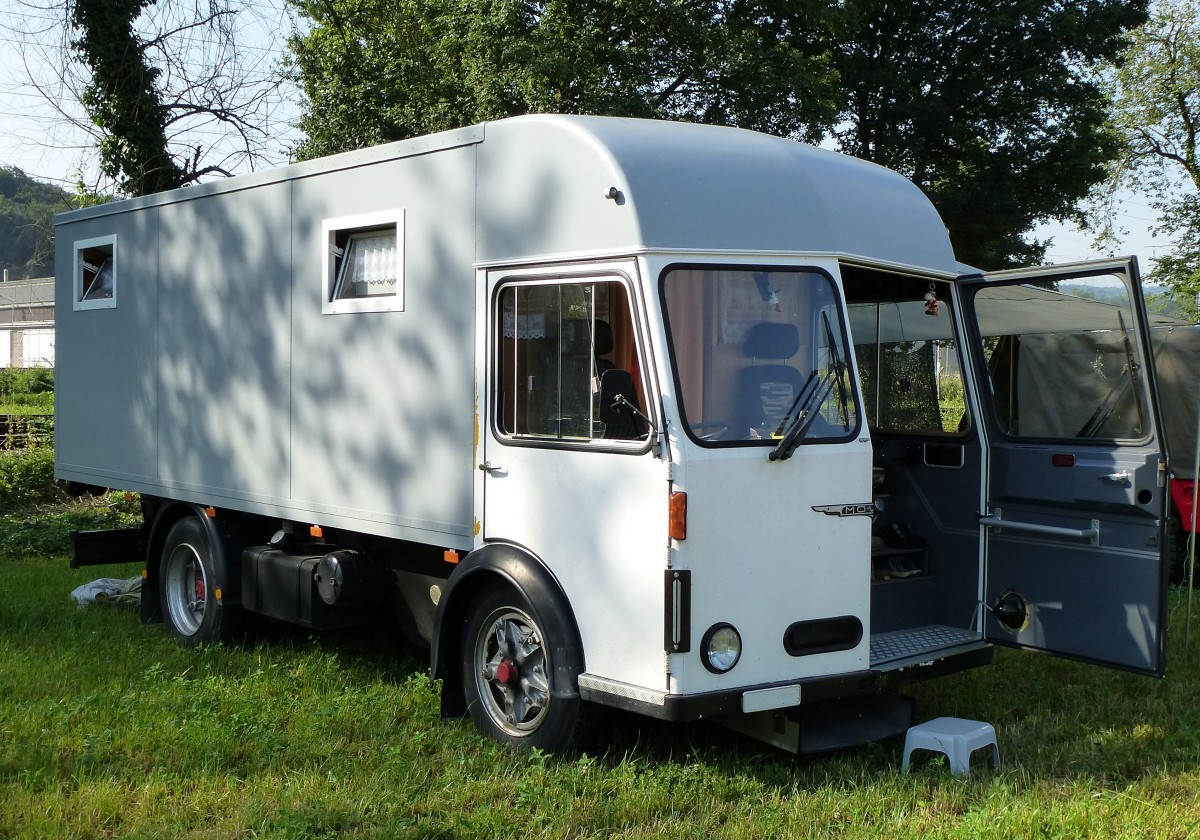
[677, 516]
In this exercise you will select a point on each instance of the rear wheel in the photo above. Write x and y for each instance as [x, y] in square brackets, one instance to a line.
[188, 587]
[507, 666]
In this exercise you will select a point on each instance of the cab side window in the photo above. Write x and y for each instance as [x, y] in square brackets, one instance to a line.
[1064, 363]
[566, 363]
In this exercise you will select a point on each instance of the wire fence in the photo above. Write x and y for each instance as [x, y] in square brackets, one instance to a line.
[25, 431]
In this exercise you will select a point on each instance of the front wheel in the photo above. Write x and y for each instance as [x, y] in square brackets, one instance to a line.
[507, 665]
[188, 587]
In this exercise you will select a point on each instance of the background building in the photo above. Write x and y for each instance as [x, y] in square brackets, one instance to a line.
[27, 322]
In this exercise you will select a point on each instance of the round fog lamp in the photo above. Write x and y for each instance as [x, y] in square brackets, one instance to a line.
[721, 648]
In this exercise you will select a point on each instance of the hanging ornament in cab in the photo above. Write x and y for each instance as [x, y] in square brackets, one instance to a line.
[931, 301]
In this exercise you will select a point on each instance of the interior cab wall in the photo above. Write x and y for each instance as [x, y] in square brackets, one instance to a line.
[928, 457]
[932, 505]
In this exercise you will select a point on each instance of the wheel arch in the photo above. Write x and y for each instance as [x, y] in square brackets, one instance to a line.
[166, 513]
[501, 565]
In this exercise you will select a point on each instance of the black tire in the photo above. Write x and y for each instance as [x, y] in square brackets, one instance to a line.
[188, 588]
[506, 672]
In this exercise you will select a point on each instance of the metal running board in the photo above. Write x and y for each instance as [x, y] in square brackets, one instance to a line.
[905, 644]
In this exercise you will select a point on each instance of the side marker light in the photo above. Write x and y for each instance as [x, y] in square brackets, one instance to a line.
[677, 516]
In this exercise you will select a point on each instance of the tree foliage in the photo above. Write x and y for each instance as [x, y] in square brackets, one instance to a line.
[380, 70]
[27, 207]
[1156, 96]
[990, 107]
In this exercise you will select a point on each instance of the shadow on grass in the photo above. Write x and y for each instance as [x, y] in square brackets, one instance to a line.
[372, 652]
[1054, 718]
[1057, 721]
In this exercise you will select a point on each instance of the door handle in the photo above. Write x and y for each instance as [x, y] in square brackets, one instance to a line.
[491, 469]
[997, 520]
[1122, 477]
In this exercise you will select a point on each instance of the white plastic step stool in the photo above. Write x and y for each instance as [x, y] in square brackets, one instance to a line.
[955, 737]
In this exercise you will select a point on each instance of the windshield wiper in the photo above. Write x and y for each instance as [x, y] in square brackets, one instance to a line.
[801, 396]
[802, 420]
[812, 396]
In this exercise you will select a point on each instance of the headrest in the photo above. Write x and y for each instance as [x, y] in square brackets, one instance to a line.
[768, 340]
[603, 338]
[575, 338]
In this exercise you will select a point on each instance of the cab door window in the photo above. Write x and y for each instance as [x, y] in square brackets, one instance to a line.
[1063, 363]
[566, 362]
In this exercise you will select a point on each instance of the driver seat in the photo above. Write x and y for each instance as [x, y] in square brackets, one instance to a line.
[766, 391]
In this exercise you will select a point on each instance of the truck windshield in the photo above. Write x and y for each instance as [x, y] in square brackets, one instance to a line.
[760, 356]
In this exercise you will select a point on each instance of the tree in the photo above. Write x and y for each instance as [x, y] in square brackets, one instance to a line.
[1156, 99]
[991, 108]
[122, 97]
[27, 207]
[380, 70]
[170, 94]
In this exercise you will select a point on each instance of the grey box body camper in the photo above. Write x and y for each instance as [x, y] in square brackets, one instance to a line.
[216, 378]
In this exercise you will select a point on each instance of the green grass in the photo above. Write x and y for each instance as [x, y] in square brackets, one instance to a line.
[107, 728]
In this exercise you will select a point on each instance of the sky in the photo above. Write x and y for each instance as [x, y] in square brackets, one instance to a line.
[1135, 217]
[37, 134]
[39, 114]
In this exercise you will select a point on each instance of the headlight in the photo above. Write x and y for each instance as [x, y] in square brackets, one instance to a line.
[721, 648]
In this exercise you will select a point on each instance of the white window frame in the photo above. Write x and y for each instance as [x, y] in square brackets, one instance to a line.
[330, 228]
[79, 247]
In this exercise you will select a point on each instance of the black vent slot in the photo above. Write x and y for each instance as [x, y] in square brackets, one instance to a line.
[824, 635]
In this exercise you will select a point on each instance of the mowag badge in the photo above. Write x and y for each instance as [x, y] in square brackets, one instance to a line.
[852, 509]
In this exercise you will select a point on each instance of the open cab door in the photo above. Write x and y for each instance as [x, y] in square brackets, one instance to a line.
[1074, 482]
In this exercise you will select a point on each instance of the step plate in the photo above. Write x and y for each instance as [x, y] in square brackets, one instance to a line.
[905, 644]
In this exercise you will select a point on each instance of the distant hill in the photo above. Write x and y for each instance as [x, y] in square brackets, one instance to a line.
[1158, 298]
[27, 207]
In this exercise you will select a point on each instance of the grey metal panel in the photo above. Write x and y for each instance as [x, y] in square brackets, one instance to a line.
[106, 423]
[384, 403]
[224, 321]
[334, 163]
[1097, 603]
[542, 186]
[688, 186]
